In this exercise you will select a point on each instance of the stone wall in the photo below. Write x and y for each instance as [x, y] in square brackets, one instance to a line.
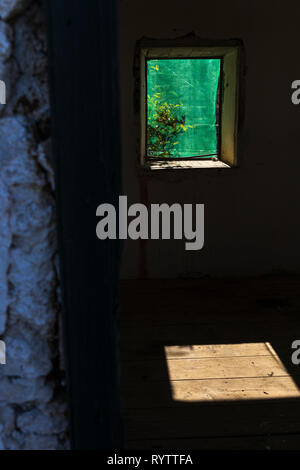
[32, 393]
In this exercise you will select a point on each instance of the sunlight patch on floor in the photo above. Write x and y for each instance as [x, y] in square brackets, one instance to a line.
[221, 372]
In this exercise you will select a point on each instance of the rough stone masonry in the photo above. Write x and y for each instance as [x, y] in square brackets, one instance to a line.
[32, 393]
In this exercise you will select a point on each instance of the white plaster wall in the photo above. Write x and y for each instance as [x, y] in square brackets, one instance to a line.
[252, 219]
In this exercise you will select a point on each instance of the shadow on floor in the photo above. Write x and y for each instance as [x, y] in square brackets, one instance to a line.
[206, 364]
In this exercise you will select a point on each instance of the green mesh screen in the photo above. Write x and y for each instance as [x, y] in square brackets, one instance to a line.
[182, 107]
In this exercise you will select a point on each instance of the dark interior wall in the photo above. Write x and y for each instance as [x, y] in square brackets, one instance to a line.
[251, 212]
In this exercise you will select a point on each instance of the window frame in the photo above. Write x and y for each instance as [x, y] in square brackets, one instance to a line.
[229, 101]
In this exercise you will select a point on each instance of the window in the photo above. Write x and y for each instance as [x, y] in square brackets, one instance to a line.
[189, 99]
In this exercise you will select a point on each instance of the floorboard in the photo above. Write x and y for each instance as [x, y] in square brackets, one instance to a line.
[207, 364]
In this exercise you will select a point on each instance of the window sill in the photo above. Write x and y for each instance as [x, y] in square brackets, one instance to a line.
[184, 165]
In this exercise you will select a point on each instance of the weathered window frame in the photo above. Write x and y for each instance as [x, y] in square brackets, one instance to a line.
[230, 83]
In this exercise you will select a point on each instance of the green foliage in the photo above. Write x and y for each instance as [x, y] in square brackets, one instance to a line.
[165, 122]
[182, 92]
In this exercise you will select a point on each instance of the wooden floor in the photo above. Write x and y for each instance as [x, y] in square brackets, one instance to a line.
[206, 364]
